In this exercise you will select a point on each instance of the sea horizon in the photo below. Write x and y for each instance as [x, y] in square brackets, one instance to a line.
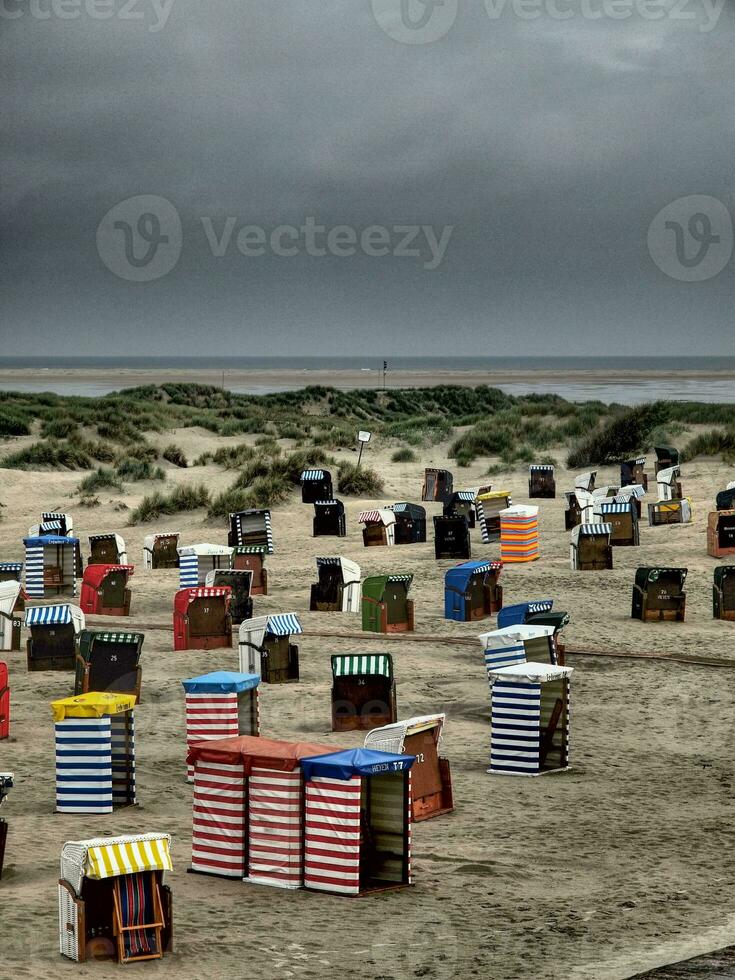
[628, 380]
[459, 362]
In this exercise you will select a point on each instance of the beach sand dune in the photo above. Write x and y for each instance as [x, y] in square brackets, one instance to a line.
[617, 866]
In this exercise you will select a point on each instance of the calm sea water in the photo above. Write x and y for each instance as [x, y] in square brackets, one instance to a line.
[632, 392]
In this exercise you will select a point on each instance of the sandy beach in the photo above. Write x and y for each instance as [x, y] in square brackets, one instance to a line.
[615, 867]
[368, 378]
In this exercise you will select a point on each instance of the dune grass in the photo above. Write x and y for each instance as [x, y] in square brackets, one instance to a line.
[59, 455]
[623, 435]
[159, 504]
[101, 479]
[64, 427]
[266, 481]
[358, 482]
[716, 442]
[513, 429]
[175, 454]
[231, 457]
[13, 423]
[135, 470]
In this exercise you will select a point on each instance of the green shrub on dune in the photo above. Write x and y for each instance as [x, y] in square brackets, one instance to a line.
[509, 428]
[59, 455]
[620, 437]
[358, 482]
[265, 482]
[159, 504]
[59, 428]
[139, 469]
[13, 424]
[175, 454]
[231, 457]
[101, 479]
[143, 451]
[262, 492]
[286, 468]
[716, 442]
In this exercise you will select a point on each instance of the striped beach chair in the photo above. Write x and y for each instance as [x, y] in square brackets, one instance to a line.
[113, 899]
[95, 752]
[363, 692]
[529, 719]
[222, 704]
[315, 485]
[353, 847]
[519, 537]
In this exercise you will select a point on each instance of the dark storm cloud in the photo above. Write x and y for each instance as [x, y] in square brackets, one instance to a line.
[549, 145]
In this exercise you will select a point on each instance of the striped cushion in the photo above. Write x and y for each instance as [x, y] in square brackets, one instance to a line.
[135, 893]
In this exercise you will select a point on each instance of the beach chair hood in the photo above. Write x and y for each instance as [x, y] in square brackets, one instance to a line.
[414, 511]
[362, 664]
[391, 738]
[60, 615]
[107, 857]
[251, 752]
[666, 452]
[589, 531]
[383, 515]
[253, 522]
[95, 704]
[583, 480]
[184, 597]
[204, 550]
[648, 574]
[119, 544]
[221, 682]
[355, 762]
[94, 575]
[459, 578]
[512, 635]
[9, 592]
[350, 569]
[41, 540]
[375, 586]
[530, 672]
[520, 611]
[253, 631]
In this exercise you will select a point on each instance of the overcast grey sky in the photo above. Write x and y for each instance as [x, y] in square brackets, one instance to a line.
[548, 144]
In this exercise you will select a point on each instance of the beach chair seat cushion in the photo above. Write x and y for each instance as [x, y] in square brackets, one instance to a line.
[138, 919]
